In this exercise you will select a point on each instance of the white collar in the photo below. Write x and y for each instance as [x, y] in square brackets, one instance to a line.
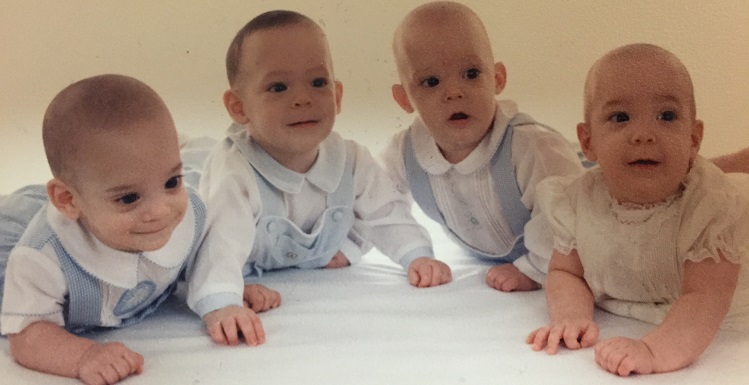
[115, 267]
[325, 173]
[430, 158]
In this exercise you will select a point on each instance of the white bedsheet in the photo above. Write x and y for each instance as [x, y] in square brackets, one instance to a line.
[366, 325]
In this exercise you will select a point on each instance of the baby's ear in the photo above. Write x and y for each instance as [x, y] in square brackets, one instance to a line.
[338, 96]
[697, 130]
[61, 196]
[400, 96]
[583, 135]
[234, 107]
[500, 77]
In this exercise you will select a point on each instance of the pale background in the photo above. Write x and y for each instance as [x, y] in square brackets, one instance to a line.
[178, 48]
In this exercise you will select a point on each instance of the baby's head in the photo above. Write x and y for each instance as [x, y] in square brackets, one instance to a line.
[113, 151]
[640, 122]
[448, 75]
[283, 89]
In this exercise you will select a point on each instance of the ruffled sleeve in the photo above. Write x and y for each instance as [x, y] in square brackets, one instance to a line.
[716, 215]
[556, 197]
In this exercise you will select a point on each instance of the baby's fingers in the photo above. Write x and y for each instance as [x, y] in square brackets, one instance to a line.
[590, 336]
[252, 329]
[135, 361]
[419, 276]
[539, 338]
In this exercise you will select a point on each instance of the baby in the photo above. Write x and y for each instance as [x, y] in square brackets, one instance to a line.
[656, 232]
[283, 190]
[111, 243]
[470, 162]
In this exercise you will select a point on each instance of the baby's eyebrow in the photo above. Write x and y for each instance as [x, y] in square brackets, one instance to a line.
[176, 169]
[120, 189]
[612, 104]
[668, 98]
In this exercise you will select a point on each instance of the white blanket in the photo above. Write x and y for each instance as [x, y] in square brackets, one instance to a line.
[365, 325]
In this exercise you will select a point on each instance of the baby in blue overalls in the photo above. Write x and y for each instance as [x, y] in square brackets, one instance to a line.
[105, 242]
[283, 190]
[471, 162]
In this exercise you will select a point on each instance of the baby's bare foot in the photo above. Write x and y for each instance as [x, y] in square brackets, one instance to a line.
[507, 277]
[339, 260]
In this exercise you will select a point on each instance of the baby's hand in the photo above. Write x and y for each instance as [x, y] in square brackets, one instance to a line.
[507, 277]
[339, 260]
[576, 334]
[428, 272]
[260, 298]
[108, 363]
[225, 324]
[624, 356]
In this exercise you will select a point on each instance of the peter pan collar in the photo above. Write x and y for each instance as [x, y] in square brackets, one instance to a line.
[430, 158]
[115, 267]
[325, 173]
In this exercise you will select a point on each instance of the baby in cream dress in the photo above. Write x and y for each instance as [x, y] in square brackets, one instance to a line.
[656, 233]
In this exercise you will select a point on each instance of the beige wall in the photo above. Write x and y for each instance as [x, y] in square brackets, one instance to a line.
[178, 48]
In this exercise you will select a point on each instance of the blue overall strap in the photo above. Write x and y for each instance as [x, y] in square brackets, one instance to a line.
[418, 179]
[83, 307]
[344, 193]
[199, 209]
[505, 179]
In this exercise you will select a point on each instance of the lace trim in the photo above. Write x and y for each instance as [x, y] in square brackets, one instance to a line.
[564, 246]
[629, 213]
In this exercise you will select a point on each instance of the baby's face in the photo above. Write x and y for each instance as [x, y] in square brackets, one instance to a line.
[287, 89]
[129, 190]
[642, 130]
[450, 79]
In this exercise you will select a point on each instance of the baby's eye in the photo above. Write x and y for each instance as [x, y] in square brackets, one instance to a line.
[667, 116]
[619, 117]
[319, 82]
[472, 73]
[277, 87]
[173, 182]
[430, 82]
[128, 199]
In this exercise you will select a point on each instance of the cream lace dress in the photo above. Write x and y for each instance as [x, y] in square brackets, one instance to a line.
[633, 255]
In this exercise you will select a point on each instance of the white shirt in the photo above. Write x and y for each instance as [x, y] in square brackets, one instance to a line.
[633, 255]
[35, 286]
[383, 214]
[465, 192]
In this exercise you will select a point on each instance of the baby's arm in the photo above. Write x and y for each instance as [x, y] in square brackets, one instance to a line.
[570, 304]
[383, 213]
[688, 328]
[734, 162]
[48, 348]
[216, 288]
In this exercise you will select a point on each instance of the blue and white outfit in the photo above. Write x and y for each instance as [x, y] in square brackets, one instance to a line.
[60, 273]
[263, 216]
[485, 201]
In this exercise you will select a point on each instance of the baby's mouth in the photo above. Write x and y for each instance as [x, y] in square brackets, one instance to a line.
[644, 162]
[458, 116]
[303, 123]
